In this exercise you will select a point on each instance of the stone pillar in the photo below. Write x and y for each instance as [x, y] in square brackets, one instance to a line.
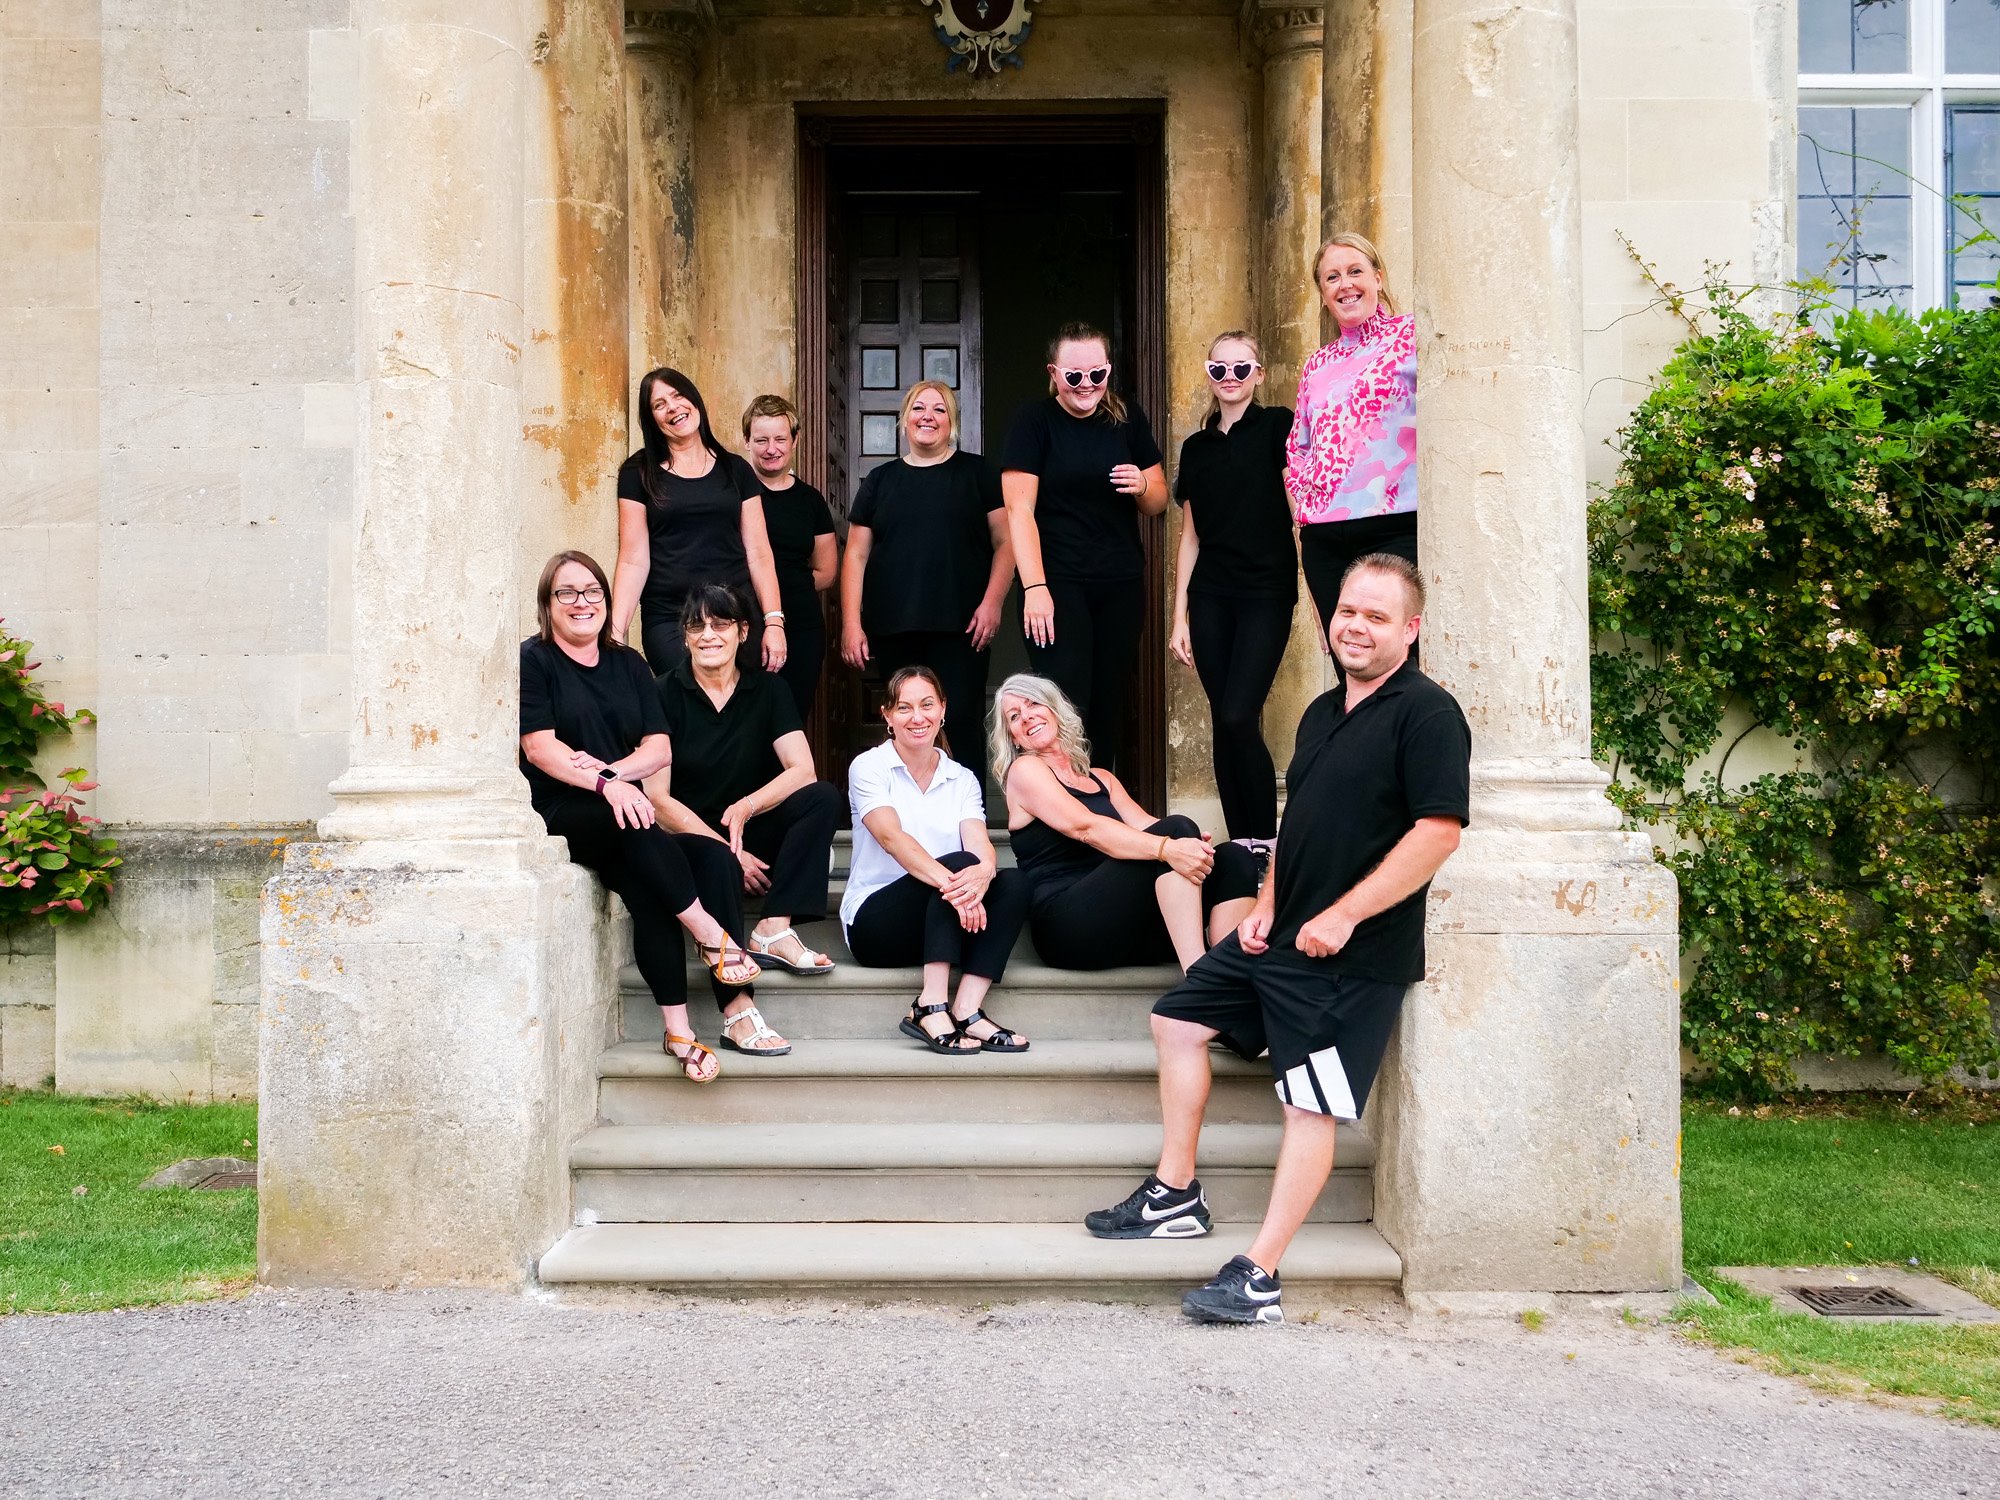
[1366, 130]
[423, 961]
[662, 47]
[1530, 1125]
[1286, 41]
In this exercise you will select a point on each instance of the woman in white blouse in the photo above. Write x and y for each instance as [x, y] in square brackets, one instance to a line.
[924, 886]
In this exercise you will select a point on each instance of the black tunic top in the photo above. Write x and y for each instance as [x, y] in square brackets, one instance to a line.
[1052, 860]
[1357, 783]
[796, 517]
[931, 546]
[696, 533]
[1233, 485]
[604, 710]
[1089, 531]
[722, 754]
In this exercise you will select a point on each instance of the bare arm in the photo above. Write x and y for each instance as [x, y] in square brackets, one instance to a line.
[675, 815]
[1185, 556]
[1019, 490]
[1417, 856]
[825, 561]
[1000, 577]
[795, 759]
[1034, 792]
[548, 754]
[635, 564]
[1152, 500]
[757, 552]
[853, 642]
[903, 847]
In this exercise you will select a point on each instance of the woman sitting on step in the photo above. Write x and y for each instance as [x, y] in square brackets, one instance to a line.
[1112, 884]
[591, 730]
[924, 886]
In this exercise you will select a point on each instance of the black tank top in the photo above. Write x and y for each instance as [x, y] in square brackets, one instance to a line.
[1050, 857]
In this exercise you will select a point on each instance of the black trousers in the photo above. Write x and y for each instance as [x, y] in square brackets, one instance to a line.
[910, 923]
[962, 673]
[1095, 657]
[805, 654]
[1110, 917]
[1239, 645]
[796, 839]
[1327, 547]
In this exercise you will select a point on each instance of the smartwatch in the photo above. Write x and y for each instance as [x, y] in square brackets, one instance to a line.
[605, 776]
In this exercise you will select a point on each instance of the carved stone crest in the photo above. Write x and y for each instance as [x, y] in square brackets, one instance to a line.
[982, 34]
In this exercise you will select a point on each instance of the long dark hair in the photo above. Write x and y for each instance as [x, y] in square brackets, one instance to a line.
[545, 597]
[656, 440]
[1084, 333]
[901, 678]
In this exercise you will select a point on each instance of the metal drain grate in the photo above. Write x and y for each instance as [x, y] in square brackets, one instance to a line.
[236, 1179]
[1859, 1302]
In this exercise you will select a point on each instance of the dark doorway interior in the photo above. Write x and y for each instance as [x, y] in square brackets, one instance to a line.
[930, 255]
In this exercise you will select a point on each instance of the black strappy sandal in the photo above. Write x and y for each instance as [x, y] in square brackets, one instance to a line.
[1001, 1039]
[912, 1026]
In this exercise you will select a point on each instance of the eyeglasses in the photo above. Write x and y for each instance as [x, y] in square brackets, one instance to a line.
[1217, 370]
[1075, 378]
[591, 595]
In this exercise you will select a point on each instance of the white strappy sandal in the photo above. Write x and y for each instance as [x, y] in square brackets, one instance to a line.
[760, 949]
[759, 1031]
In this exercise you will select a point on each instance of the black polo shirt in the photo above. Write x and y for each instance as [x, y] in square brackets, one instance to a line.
[1233, 485]
[1357, 783]
[930, 543]
[795, 518]
[604, 710]
[722, 754]
[1089, 531]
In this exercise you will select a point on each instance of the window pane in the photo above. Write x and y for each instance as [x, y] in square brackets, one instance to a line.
[1971, 36]
[878, 436]
[878, 302]
[941, 364]
[1854, 202]
[1854, 36]
[1972, 179]
[940, 302]
[938, 235]
[1826, 152]
[878, 235]
[878, 370]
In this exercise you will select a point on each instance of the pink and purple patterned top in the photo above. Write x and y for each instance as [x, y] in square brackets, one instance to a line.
[1353, 449]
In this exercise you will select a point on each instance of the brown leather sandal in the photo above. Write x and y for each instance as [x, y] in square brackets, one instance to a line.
[691, 1060]
[716, 965]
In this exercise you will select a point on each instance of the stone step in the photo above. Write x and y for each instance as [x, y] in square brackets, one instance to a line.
[861, 1079]
[977, 1260]
[916, 1171]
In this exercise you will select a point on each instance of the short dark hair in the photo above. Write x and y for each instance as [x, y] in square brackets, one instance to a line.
[545, 593]
[1396, 567]
[713, 601]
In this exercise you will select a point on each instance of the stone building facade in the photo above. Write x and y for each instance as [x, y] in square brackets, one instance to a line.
[322, 319]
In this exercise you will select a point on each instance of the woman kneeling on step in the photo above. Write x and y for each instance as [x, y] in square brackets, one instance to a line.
[591, 730]
[1112, 884]
[924, 886]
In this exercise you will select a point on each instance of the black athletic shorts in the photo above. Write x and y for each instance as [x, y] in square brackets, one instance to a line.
[1326, 1031]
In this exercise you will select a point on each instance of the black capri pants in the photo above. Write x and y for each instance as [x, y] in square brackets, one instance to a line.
[795, 839]
[909, 923]
[1095, 657]
[1326, 548]
[1109, 917]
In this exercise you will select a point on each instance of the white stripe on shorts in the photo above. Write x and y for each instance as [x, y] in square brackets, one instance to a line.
[1320, 1085]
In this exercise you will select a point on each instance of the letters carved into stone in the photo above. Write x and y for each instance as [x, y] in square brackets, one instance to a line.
[982, 34]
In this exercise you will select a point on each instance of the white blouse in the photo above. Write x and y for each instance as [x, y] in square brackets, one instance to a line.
[878, 778]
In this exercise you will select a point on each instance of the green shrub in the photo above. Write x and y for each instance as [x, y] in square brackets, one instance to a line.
[55, 860]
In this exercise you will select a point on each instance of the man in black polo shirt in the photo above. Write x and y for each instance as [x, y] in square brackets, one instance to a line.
[1379, 789]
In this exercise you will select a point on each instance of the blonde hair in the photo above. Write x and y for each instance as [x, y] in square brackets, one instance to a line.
[1349, 240]
[1070, 738]
[1231, 336]
[770, 406]
[1083, 333]
[945, 393]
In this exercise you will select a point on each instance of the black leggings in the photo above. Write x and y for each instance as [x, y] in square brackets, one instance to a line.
[962, 674]
[796, 839]
[1095, 657]
[666, 647]
[1238, 647]
[658, 875]
[1327, 547]
[1109, 917]
[805, 653]
[909, 922]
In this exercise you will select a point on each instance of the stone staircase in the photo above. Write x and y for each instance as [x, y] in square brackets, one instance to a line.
[861, 1161]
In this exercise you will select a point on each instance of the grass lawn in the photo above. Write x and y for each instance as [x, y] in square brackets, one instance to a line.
[1862, 1181]
[76, 1232]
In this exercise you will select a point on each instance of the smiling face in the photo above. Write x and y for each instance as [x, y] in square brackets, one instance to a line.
[1086, 355]
[1372, 628]
[928, 425]
[916, 716]
[771, 444]
[576, 623]
[1232, 388]
[712, 644]
[1030, 725]
[1349, 285]
[677, 416]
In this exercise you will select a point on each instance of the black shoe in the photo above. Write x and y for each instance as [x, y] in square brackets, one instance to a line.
[1240, 1293]
[1153, 1212]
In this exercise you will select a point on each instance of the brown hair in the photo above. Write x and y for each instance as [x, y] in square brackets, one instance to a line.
[545, 593]
[1349, 240]
[901, 678]
[1084, 333]
[769, 406]
[1396, 567]
[1231, 336]
[949, 396]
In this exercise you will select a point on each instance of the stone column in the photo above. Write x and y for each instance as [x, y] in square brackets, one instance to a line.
[1530, 1126]
[1366, 129]
[422, 962]
[662, 47]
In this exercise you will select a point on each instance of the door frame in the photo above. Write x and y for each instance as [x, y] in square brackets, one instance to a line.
[1140, 128]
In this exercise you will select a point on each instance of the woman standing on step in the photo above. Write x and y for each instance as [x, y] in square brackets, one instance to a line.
[924, 887]
[1351, 459]
[689, 513]
[591, 730]
[1237, 580]
[1113, 885]
[741, 779]
[804, 550]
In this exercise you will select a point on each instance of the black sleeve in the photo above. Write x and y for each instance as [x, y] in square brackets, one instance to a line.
[1312, 723]
[742, 478]
[988, 477]
[1027, 445]
[1281, 431]
[1180, 469]
[1139, 439]
[780, 712]
[1436, 765]
[632, 478]
[665, 703]
[817, 509]
[862, 511]
[538, 699]
[652, 716]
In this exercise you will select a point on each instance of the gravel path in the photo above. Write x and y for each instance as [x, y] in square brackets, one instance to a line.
[427, 1393]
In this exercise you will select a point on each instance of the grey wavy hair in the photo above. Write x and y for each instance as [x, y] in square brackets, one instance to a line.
[1069, 724]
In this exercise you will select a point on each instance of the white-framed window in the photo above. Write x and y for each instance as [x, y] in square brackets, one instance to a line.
[1899, 118]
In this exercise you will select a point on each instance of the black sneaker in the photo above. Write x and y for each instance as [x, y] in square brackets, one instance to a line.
[1153, 1212]
[1240, 1293]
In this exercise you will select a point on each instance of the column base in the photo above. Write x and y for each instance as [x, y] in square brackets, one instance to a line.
[397, 803]
[432, 1011]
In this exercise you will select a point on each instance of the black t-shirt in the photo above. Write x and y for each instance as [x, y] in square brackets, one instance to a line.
[931, 546]
[1233, 484]
[605, 710]
[721, 754]
[1357, 783]
[1090, 532]
[796, 517]
[696, 534]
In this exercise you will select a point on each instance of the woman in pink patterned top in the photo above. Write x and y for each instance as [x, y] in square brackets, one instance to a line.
[1351, 459]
